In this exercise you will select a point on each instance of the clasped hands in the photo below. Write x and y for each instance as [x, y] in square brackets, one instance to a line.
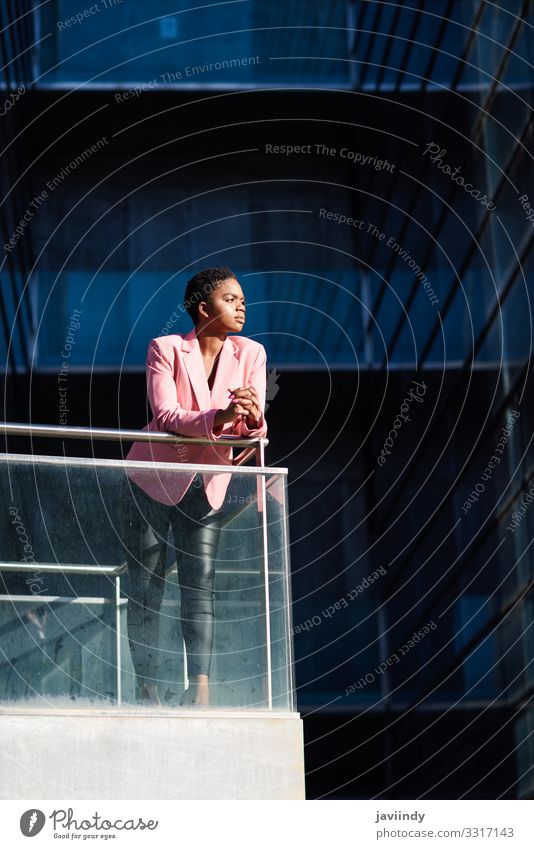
[244, 406]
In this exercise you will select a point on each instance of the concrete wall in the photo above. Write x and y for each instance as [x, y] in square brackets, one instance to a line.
[141, 754]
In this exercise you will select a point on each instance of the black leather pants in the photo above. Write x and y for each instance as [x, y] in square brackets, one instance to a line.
[196, 528]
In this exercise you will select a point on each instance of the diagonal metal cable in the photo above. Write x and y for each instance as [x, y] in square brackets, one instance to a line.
[509, 278]
[389, 46]
[477, 131]
[473, 31]
[370, 43]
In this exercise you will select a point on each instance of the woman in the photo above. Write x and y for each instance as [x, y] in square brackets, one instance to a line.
[209, 384]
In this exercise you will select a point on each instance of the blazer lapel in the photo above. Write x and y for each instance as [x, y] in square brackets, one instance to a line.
[223, 376]
[224, 379]
[195, 370]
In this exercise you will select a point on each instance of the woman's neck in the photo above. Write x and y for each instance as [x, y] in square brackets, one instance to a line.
[210, 345]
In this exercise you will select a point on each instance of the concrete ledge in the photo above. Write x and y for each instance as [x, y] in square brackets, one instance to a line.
[137, 753]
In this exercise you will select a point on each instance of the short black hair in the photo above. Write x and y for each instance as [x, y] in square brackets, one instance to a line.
[202, 285]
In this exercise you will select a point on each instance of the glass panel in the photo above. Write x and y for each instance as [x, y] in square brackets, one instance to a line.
[279, 592]
[59, 650]
[127, 583]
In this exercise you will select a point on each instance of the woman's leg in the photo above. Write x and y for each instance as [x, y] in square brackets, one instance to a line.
[196, 530]
[144, 537]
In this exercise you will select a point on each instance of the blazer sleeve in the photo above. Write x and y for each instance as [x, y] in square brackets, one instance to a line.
[168, 414]
[258, 379]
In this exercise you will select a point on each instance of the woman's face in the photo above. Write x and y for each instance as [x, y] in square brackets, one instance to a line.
[226, 308]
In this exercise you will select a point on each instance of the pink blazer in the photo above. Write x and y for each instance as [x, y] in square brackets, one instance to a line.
[181, 402]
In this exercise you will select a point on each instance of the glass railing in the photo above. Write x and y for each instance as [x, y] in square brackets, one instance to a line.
[116, 588]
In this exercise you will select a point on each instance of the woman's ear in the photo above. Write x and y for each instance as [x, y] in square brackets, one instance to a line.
[203, 309]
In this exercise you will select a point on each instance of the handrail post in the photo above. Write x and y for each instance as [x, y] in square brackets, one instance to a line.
[118, 638]
[260, 461]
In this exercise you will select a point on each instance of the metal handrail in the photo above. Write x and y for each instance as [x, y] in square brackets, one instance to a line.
[115, 434]
[251, 445]
[69, 568]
